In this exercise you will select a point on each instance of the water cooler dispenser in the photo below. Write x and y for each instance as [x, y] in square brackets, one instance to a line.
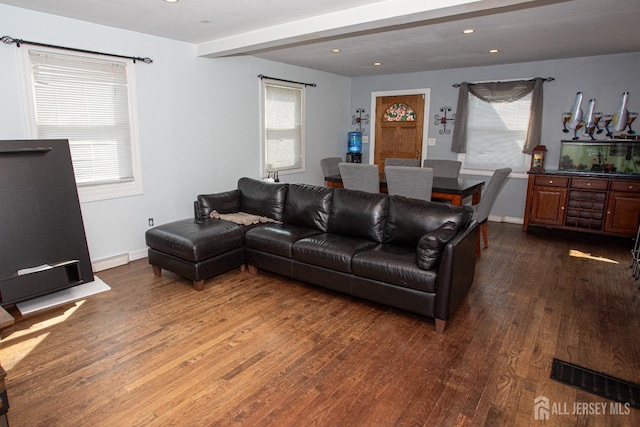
[354, 152]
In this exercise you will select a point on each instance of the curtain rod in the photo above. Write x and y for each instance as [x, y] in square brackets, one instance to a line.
[18, 42]
[547, 79]
[262, 76]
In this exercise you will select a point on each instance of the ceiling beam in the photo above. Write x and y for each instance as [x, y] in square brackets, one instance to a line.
[372, 16]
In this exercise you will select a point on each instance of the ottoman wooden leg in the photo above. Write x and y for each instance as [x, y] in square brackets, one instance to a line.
[198, 285]
[253, 270]
[157, 271]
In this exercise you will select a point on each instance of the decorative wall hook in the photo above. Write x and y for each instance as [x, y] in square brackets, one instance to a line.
[443, 119]
[359, 118]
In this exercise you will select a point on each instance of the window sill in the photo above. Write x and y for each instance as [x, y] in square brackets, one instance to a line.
[482, 172]
[96, 193]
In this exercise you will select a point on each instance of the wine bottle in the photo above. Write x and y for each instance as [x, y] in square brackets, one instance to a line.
[576, 112]
[620, 117]
[589, 119]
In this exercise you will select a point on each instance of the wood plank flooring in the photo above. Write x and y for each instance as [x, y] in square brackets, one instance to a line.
[268, 351]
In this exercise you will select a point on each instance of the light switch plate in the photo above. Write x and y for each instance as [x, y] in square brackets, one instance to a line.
[431, 141]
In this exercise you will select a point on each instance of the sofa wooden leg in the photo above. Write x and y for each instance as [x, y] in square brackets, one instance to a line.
[440, 324]
[198, 285]
[253, 270]
[484, 235]
[243, 267]
[157, 271]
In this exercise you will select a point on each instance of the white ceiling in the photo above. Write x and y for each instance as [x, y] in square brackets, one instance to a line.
[404, 35]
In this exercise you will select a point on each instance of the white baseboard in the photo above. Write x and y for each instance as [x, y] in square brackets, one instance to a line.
[118, 260]
[507, 219]
[139, 254]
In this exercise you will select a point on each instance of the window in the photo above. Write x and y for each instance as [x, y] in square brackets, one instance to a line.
[496, 134]
[283, 127]
[89, 101]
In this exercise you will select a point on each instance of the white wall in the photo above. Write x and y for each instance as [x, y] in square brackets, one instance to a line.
[198, 118]
[604, 78]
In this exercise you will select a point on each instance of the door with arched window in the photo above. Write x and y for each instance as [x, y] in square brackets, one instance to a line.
[399, 125]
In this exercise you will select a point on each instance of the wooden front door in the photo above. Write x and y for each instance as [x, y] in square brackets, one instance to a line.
[399, 124]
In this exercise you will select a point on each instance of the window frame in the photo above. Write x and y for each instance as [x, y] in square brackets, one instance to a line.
[263, 129]
[90, 192]
[488, 172]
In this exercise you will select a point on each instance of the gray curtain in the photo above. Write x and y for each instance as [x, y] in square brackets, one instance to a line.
[497, 92]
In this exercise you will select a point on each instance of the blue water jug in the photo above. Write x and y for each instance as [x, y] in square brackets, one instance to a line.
[355, 142]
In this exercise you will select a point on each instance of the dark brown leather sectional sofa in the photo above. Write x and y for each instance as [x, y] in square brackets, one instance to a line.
[409, 254]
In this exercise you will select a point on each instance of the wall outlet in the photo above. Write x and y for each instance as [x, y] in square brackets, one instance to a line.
[431, 141]
[150, 222]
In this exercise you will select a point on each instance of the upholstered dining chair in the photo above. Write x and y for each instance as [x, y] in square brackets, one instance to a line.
[409, 181]
[329, 166]
[489, 195]
[359, 176]
[443, 168]
[396, 161]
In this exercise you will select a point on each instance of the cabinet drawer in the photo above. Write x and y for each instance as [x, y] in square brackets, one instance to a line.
[552, 181]
[590, 184]
[633, 186]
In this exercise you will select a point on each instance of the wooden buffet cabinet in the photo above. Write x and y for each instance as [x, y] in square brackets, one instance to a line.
[594, 203]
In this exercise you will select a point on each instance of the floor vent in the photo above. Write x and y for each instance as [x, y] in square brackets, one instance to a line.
[594, 382]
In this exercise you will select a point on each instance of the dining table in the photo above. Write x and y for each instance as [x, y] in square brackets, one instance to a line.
[453, 190]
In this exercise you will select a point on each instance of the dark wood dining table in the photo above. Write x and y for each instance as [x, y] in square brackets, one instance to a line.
[454, 190]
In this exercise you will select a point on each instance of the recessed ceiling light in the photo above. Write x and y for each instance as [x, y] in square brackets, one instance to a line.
[336, 50]
[494, 51]
[468, 31]
[172, 1]
[377, 63]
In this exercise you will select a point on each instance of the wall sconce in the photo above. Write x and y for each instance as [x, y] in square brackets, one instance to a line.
[443, 119]
[358, 119]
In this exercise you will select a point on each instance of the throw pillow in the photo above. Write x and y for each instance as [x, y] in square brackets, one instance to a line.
[431, 245]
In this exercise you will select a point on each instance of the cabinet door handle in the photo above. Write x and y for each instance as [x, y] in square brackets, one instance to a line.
[631, 187]
[562, 207]
[588, 184]
[550, 182]
[608, 212]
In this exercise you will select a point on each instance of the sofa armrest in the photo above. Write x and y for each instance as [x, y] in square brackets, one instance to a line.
[226, 202]
[456, 272]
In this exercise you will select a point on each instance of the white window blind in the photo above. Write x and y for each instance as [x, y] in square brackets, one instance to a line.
[496, 134]
[283, 127]
[86, 100]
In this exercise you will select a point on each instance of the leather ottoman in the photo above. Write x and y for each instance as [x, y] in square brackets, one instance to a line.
[196, 250]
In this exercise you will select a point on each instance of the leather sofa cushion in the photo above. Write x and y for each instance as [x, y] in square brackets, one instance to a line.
[195, 241]
[431, 245]
[226, 202]
[308, 206]
[262, 198]
[358, 214]
[331, 251]
[277, 239]
[396, 265]
[409, 219]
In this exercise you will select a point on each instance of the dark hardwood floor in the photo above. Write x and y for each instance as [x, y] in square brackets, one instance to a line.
[265, 350]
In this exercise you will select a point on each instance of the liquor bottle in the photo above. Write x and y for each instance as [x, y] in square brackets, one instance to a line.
[576, 113]
[620, 117]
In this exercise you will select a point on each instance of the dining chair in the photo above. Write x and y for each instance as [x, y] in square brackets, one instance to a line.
[359, 176]
[396, 161]
[409, 181]
[443, 168]
[481, 210]
[329, 166]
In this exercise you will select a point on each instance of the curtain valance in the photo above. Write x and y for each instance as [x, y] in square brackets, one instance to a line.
[499, 92]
